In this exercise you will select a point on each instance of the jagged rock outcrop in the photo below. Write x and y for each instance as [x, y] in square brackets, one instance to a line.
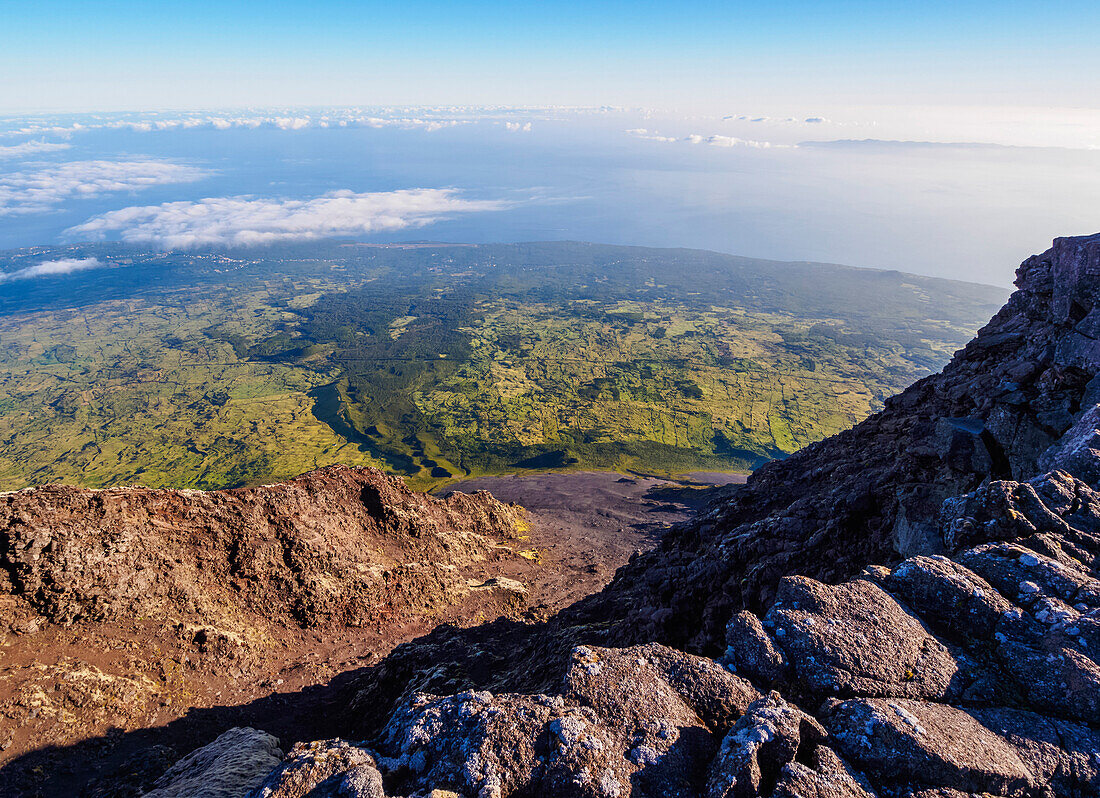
[875, 491]
[334, 546]
[766, 739]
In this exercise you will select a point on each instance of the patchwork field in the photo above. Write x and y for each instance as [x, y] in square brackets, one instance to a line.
[438, 362]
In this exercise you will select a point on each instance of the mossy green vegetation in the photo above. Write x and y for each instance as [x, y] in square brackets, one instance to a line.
[435, 362]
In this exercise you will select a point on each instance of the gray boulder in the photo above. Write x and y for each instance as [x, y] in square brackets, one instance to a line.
[826, 775]
[751, 652]
[763, 742]
[856, 639]
[639, 721]
[934, 745]
[323, 769]
[231, 766]
[948, 595]
[1060, 754]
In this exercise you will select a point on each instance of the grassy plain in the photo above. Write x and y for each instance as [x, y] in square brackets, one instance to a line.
[210, 370]
[132, 391]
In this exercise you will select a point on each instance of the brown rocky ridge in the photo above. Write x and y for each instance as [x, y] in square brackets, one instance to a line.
[126, 607]
[139, 623]
[338, 545]
[910, 608]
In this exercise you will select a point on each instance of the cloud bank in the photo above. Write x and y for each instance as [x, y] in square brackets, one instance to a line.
[246, 221]
[31, 148]
[428, 118]
[789, 120]
[42, 189]
[732, 141]
[289, 121]
[713, 141]
[647, 135]
[52, 268]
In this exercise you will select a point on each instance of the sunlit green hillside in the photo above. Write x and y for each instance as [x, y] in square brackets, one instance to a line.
[435, 361]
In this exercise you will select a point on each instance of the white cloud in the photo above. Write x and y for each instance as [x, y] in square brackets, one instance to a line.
[290, 121]
[428, 118]
[283, 122]
[31, 148]
[52, 268]
[730, 141]
[244, 221]
[713, 141]
[788, 120]
[42, 189]
[642, 133]
[518, 127]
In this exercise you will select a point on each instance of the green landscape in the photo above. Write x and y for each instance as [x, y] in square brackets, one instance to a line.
[435, 361]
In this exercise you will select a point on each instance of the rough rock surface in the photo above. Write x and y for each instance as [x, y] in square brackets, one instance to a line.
[337, 545]
[925, 678]
[226, 768]
[323, 769]
[912, 608]
[825, 775]
[917, 742]
[766, 739]
[856, 639]
[646, 718]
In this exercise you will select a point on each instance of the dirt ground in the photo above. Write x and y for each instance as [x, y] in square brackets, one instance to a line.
[80, 703]
[588, 523]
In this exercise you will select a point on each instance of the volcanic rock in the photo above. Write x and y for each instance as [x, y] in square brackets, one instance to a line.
[323, 769]
[226, 768]
[868, 644]
[334, 546]
[931, 744]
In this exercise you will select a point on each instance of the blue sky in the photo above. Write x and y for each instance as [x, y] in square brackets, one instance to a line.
[686, 55]
[944, 138]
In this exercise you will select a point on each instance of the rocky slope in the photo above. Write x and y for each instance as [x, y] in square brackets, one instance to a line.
[335, 546]
[941, 677]
[911, 608]
[875, 492]
[126, 608]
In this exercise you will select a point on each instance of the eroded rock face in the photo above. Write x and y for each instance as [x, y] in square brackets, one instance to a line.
[227, 768]
[330, 547]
